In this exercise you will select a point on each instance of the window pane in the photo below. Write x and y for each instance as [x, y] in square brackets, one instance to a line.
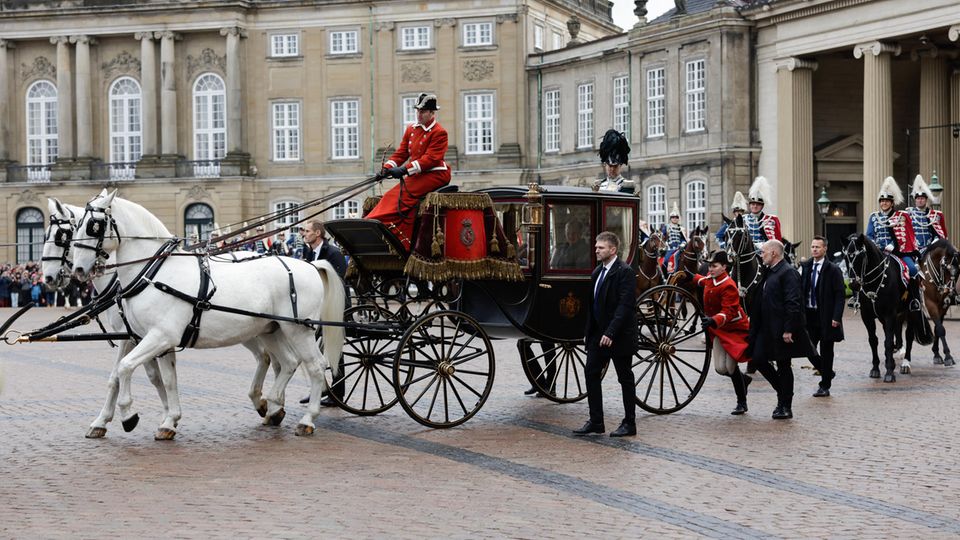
[585, 115]
[569, 237]
[656, 206]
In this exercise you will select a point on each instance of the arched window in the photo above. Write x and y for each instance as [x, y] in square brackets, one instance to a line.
[209, 118]
[656, 206]
[288, 220]
[198, 222]
[29, 235]
[696, 203]
[347, 209]
[125, 128]
[41, 123]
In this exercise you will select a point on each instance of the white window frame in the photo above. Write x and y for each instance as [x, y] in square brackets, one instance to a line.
[621, 105]
[30, 236]
[656, 101]
[551, 120]
[345, 128]
[125, 122]
[288, 220]
[656, 195]
[416, 38]
[285, 123]
[696, 203]
[42, 142]
[696, 95]
[557, 39]
[538, 32]
[478, 125]
[477, 34]
[585, 102]
[206, 124]
[408, 114]
[285, 45]
[343, 45]
[347, 209]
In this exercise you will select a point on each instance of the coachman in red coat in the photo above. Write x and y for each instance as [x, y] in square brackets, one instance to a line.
[726, 324]
[420, 159]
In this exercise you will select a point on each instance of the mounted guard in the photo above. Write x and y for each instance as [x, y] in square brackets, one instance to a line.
[738, 209]
[675, 236]
[614, 154]
[929, 225]
[892, 230]
[761, 226]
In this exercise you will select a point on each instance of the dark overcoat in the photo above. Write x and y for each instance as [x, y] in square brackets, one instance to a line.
[615, 315]
[776, 309]
[830, 298]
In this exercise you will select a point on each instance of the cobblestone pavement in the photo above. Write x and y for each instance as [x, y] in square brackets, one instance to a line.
[875, 460]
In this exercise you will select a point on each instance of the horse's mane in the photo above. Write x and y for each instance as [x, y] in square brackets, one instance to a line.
[129, 212]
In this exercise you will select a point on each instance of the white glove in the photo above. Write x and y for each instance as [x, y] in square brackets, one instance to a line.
[889, 248]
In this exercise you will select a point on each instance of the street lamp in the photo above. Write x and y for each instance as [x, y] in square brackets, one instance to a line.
[823, 204]
[936, 188]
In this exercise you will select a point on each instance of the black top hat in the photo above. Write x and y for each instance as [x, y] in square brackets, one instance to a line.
[427, 102]
[718, 256]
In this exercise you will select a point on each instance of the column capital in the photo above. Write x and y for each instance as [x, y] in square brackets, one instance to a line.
[233, 31]
[931, 51]
[83, 39]
[954, 32]
[384, 25]
[56, 40]
[7, 44]
[168, 34]
[876, 48]
[144, 35]
[794, 63]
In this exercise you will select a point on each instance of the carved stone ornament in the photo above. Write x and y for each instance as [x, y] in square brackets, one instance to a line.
[415, 72]
[384, 25]
[477, 69]
[512, 17]
[197, 193]
[573, 26]
[207, 60]
[28, 197]
[124, 63]
[41, 67]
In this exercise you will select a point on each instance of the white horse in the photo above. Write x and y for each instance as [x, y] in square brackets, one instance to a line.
[129, 236]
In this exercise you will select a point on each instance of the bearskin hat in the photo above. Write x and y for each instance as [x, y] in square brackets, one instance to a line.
[614, 149]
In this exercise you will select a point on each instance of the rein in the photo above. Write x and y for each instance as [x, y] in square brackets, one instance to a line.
[877, 274]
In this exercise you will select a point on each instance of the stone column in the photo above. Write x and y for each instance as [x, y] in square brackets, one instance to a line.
[168, 95]
[934, 111]
[148, 89]
[795, 142]
[84, 101]
[952, 194]
[877, 118]
[4, 108]
[237, 161]
[64, 98]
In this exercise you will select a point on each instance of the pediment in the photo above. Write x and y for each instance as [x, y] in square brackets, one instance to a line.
[843, 149]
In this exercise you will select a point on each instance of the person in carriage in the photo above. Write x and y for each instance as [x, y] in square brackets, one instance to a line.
[614, 154]
[726, 324]
[738, 209]
[676, 237]
[761, 226]
[892, 230]
[929, 225]
[420, 158]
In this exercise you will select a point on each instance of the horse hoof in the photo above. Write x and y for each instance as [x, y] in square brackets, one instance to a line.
[937, 360]
[303, 430]
[164, 434]
[890, 377]
[130, 423]
[96, 433]
[874, 373]
[904, 370]
[262, 409]
[948, 361]
[276, 419]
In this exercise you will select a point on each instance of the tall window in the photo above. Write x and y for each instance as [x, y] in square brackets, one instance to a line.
[125, 128]
[284, 45]
[551, 119]
[656, 206]
[656, 101]
[29, 235]
[585, 115]
[696, 203]
[345, 128]
[696, 95]
[621, 105]
[41, 123]
[409, 113]
[286, 221]
[557, 40]
[209, 118]
[415, 37]
[344, 42]
[347, 209]
[198, 222]
[286, 131]
[479, 123]
[477, 34]
[538, 37]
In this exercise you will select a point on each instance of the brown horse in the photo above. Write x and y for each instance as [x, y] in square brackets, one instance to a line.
[691, 260]
[649, 272]
[941, 268]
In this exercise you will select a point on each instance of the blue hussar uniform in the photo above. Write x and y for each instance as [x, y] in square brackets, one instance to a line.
[892, 230]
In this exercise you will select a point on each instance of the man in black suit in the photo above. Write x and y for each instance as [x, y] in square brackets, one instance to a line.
[777, 330]
[823, 293]
[611, 335]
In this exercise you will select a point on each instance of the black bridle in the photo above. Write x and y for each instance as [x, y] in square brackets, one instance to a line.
[865, 276]
[740, 257]
[61, 230]
[97, 228]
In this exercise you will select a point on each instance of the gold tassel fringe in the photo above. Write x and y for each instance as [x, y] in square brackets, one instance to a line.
[488, 268]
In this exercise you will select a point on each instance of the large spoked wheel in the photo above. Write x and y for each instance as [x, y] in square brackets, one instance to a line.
[555, 369]
[365, 384]
[671, 364]
[443, 369]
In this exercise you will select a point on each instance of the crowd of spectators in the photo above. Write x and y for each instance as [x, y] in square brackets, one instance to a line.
[21, 284]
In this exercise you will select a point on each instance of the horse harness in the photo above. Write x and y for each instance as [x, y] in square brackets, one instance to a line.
[877, 274]
[737, 261]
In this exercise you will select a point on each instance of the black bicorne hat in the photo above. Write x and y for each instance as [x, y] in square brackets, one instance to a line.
[614, 149]
[427, 102]
[719, 256]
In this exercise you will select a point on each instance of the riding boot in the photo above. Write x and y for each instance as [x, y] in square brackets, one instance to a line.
[740, 388]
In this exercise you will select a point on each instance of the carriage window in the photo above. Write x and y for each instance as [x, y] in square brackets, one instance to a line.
[509, 216]
[570, 237]
[619, 221]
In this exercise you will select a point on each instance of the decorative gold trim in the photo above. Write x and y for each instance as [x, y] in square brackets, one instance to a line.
[446, 269]
[456, 201]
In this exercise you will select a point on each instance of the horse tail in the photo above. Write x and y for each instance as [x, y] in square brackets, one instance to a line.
[916, 316]
[332, 310]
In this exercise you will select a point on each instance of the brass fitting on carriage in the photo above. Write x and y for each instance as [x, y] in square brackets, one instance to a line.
[532, 215]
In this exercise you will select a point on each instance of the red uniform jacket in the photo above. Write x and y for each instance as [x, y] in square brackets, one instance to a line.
[771, 227]
[424, 147]
[721, 302]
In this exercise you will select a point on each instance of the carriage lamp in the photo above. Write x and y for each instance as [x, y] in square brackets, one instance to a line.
[823, 204]
[533, 211]
[936, 188]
